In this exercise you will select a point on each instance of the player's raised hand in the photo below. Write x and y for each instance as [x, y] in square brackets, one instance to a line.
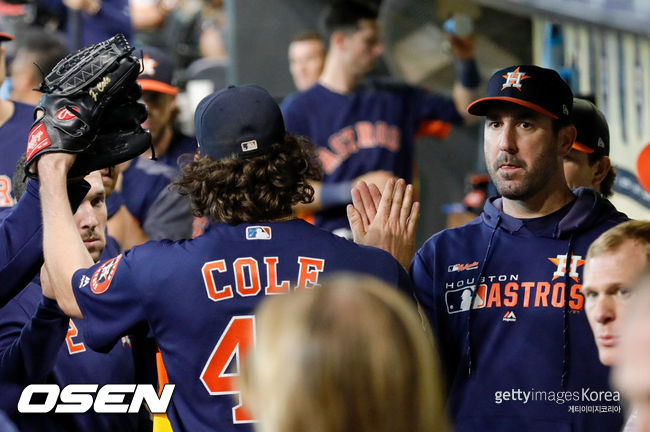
[366, 198]
[388, 224]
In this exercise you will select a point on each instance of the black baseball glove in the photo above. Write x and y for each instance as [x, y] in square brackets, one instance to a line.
[90, 107]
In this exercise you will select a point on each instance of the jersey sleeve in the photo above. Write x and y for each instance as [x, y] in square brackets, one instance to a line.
[422, 276]
[295, 121]
[169, 217]
[110, 299]
[435, 106]
[29, 344]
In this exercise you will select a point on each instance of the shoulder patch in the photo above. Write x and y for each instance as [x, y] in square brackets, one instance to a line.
[103, 276]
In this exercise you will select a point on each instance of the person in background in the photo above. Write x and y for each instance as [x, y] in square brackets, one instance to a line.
[614, 260]
[306, 59]
[588, 163]
[366, 131]
[37, 52]
[159, 94]
[631, 375]
[16, 119]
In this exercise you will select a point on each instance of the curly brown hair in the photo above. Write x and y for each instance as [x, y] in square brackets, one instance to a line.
[261, 188]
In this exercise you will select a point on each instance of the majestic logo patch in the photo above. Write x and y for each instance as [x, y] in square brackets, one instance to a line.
[258, 233]
[560, 262]
[148, 65]
[462, 267]
[510, 317]
[514, 79]
[249, 146]
[84, 281]
[65, 114]
[37, 141]
[103, 276]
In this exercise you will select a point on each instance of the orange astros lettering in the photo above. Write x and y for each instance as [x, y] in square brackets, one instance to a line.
[351, 139]
[540, 294]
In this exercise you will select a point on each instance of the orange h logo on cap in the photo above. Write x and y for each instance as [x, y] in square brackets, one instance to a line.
[514, 79]
[148, 66]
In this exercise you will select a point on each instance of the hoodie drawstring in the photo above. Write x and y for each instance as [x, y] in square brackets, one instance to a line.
[474, 294]
[565, 330]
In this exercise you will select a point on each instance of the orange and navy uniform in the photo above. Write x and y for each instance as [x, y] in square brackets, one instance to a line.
[371, 128]
[199, 296]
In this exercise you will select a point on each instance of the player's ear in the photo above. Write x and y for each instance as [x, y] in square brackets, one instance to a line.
[602, 168]
[566, 137]
[337, 39]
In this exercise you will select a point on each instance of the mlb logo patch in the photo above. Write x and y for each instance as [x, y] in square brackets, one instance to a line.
[258, 233]
[249, 146]
[460, 300]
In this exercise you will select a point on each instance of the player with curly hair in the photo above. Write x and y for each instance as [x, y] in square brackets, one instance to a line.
[198, 296]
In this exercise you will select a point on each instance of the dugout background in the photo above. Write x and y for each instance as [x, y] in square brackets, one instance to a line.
[609, 59]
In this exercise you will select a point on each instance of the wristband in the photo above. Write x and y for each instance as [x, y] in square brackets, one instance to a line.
[467, 73]
[333, 194]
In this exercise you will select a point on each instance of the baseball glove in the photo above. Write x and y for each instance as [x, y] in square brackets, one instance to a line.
[90, 107]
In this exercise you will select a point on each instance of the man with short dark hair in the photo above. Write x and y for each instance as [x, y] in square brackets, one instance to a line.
[366, 131]
[199, 295]
[159, 210]
[306, 59]
[503, 292]
[39, 344]
[588, 163]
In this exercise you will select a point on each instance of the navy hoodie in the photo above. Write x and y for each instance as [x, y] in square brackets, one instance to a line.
[522, 358]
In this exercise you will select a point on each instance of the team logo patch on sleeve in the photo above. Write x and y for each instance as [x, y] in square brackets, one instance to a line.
[258, 233]
[103, 276]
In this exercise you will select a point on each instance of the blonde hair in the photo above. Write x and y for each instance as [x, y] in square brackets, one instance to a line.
[350, 356]
[613, 238]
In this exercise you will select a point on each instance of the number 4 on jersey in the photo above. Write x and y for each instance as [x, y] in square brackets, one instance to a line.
[235, 342]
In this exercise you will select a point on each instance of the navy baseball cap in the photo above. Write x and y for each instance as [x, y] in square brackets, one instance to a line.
[157, 72]
[593, 132]
[533, 87]
[241, 121]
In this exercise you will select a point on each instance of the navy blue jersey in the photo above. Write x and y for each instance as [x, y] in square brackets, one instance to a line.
[21, 238]
[515, 331]
[368, 129]
[180, 145]
[40, 344]
[113, 203]
[161, 211]
[199, 297]
[13, 142]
